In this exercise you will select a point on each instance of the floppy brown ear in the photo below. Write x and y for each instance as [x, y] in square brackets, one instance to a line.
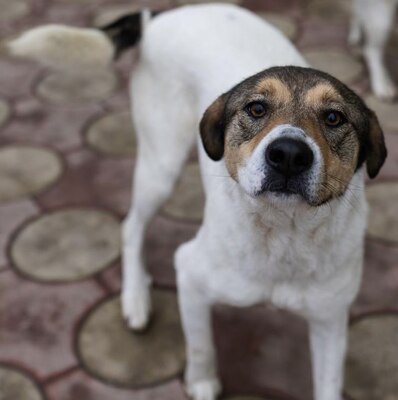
[212, 127]
[376, 152]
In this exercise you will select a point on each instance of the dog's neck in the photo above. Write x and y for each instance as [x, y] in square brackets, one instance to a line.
[270, 212]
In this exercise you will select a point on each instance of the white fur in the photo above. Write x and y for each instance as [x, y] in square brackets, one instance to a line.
[64, 47]
[375, 18]
[249, 250]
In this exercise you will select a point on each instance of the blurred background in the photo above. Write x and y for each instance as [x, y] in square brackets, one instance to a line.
[67, 152]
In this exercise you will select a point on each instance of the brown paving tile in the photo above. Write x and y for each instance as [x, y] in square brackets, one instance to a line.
[317, 33]
[13, 215]
[379, 289]
[26, 170]
[185, 2]
[13, 10]
[77, 87]
[37, 322]
[65, 14]
[386, 112]
[372, 361]
[284, 23]
[67, 245]
[92, 180]
[280, 6]
[80, 386]
[329, 9]
[163, 238]
[17, 78]
[112, 352]
[15, 384]
[390, 168]
[52, 126]
[187, 201]
[337, 62]
[262, 351]
[4, 112]
[112, 134]
[383, 216]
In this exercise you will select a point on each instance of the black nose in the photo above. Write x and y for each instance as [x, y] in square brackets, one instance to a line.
[289, 156]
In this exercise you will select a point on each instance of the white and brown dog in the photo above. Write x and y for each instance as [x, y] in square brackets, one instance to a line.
[286, 223]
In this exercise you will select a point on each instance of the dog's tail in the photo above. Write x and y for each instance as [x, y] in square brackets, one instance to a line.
[64, 47]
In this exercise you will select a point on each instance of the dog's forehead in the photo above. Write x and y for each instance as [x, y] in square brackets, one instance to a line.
[291, 85]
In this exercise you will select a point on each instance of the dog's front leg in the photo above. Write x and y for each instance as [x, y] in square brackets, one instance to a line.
[328, 339]
[200, 375]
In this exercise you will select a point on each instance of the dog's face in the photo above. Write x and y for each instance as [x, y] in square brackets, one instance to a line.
[293, 132]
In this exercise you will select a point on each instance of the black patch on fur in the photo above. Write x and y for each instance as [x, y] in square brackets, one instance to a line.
[125, 32]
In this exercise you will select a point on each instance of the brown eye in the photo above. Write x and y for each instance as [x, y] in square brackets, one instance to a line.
[256, 110]
[333, 118]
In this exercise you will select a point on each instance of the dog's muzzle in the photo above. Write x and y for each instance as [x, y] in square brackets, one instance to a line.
[286, 162]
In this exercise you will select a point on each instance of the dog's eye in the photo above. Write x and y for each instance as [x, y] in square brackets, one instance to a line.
[334, 118]
[256, 110]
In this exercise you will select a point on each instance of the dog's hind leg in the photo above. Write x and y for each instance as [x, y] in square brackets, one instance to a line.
[164, 137]
[377, 18]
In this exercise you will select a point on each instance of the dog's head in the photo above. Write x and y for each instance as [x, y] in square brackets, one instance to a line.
[292, 131]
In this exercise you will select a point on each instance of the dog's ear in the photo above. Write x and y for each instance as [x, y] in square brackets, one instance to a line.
[212, 128]
[376, 151]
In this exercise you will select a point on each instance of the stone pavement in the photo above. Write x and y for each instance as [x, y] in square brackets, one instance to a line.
[66, 156]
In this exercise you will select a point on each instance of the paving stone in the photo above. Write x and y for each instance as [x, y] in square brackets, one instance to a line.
[390, 167]
[4, 112]
[285, 7]
[90, 179]
[67, 245]
[285, 24]
[387, 113]
[330, 9]
[110, 351]
[379, 288]
[15, 385]
[315, 33]
[68, 88]
[246, 398]
[383, 217]
[80, 386]
[11, 216]
[26, 170]
[263, 351]
[336, 62]
[183, 2]
[187, 201]
[113, 134]
[372, 361]
[16, 78]
[12, 10]
[53, 126]
[37, 322]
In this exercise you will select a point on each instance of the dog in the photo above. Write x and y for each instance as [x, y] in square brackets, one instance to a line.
[286, 223]
[375, 19]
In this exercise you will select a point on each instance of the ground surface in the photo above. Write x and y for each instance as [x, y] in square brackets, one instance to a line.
[66, 158]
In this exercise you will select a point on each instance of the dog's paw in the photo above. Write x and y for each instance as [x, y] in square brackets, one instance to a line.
[204, 390]
[385, 89]
[136, 306]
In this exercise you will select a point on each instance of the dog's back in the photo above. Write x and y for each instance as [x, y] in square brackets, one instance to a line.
[214, 47]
